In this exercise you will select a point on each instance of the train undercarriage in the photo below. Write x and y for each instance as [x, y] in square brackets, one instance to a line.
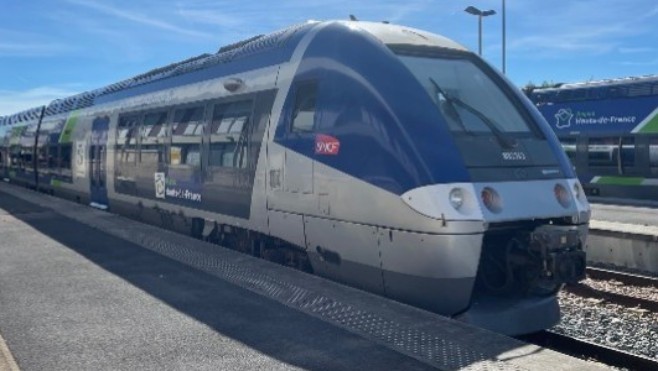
[530, 258]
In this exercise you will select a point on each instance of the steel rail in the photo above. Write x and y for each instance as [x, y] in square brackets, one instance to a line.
[613, 297]
[590, 351]
[626, 278]
[632, 302]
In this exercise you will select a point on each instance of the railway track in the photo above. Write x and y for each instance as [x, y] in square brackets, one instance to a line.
[590, 351]
[626, 278]
[630, 301]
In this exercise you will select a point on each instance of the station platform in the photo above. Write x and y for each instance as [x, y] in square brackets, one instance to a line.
[626, 211]
[624, 234]
[84, 289]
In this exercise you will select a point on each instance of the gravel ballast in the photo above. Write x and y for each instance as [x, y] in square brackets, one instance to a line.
[629, 329]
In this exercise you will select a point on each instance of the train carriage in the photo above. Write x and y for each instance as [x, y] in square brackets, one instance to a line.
[609, 130]
[384, 157]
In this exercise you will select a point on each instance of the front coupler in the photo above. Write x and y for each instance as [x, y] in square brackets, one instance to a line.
[560, 251]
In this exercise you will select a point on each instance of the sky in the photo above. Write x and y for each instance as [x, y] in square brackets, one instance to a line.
[51, 49]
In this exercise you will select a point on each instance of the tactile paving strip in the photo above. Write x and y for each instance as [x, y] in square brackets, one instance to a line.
[425, 345]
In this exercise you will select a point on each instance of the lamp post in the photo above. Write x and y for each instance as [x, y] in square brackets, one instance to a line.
[480, 13]
[503, 37]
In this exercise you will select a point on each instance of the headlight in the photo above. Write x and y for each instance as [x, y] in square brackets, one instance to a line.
[456, 198]
[562, 196]
[492, 200]
[577, 190]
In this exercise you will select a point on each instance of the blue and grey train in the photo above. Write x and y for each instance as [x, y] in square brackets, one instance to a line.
[384, 157]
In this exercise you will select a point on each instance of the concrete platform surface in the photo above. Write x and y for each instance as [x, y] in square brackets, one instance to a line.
[82, 289]
[639, 214]
[624, 236]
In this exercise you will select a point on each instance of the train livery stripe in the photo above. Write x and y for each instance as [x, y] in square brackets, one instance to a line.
[649, 124]
[624, 180]
[69, 127]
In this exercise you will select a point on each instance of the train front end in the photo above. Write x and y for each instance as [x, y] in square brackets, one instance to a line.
[445, 190]
[533, 210]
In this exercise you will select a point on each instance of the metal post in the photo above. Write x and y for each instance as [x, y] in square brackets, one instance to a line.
[480, 35]
[503, 37]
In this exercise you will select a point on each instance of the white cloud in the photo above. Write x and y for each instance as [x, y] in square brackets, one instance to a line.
[21, 43]
[12, 101]
[21, 49]
[578, 28]
[243, 16]
[139, 18]
[211, 17]
[651, 62]
[633, 50]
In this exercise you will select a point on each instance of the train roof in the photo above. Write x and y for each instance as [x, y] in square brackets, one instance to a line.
[631, 80]
[395, 34]
[28, 115]
[191, 69]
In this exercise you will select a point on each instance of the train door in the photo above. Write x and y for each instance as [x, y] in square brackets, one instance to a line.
[290, 161]
[290, 174]
[98, 162]
[298, 169]
[626, 160]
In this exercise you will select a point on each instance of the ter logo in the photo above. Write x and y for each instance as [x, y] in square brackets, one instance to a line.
[326, 145]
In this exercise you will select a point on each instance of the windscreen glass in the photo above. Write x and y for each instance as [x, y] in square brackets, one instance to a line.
[467, 97]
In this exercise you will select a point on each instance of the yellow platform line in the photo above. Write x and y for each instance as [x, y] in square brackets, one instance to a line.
[7, 361]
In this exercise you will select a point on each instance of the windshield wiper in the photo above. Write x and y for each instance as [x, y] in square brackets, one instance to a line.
[503, 140]
[450, 110]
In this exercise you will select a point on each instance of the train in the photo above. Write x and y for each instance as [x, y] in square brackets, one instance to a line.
[609, 130]
[384, 157]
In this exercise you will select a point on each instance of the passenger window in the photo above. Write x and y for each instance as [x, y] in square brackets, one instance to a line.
[27, 146]
[43, 154]
[603, 151]
[187, 130]
[127, 139]
[14, 156]
[153, 134]
[53, 157]
[65, 161]
[228, 134]
[303, 114]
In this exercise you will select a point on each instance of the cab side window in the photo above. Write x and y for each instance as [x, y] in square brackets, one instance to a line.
[303, 114]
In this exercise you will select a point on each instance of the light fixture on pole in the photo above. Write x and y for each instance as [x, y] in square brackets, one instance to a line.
[480, 13]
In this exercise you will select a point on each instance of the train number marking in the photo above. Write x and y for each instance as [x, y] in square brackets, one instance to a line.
[514, 156]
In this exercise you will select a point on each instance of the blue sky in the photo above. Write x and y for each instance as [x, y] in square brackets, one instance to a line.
[54, 48]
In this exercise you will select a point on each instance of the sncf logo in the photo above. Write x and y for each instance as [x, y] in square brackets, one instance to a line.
[326, 145]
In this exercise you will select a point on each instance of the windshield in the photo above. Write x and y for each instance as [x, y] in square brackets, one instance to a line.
[470, 101]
